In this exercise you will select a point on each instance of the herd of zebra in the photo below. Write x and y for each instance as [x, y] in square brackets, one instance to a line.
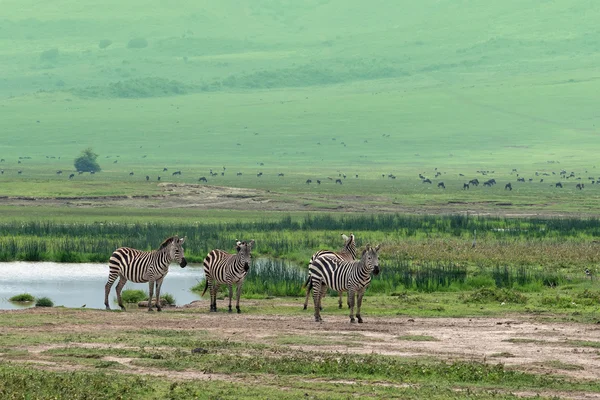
[341, 272]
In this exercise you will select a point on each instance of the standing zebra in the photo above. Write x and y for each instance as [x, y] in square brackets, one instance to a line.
[347, 253]
[143, 266]
[221, 267]
[353, 276]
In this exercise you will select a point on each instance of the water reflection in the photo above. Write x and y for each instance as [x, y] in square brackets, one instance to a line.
[73, 285]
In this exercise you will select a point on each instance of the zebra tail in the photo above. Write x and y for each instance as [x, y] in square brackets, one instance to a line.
[307, 284]
[205, 287]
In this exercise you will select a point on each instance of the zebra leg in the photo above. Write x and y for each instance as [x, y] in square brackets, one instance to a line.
[230, 287]
[150, 294]
[316, 286]
[340, 300]
[111, 280]
[122, 282]
[351, 304]
[359, 296]
[308, 289]
[238, 293]
[322, 296]
[213, 296]
[158, 285]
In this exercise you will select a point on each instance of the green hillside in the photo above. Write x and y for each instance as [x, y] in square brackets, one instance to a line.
[401, 86]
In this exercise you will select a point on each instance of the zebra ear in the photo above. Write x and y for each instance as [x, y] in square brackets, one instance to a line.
[182, 240]
[344, 237]
[377, 247]
[251, 243]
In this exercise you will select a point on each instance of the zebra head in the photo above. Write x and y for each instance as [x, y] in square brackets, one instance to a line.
[243, 251]
[349, 245]
[175, 249]
[370, 257]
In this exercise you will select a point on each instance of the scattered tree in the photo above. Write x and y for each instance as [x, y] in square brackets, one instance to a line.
[87, 161]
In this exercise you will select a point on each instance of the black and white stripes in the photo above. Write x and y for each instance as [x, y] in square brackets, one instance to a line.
[347, 253]
[221, 268]
[340, 275]
[143, 266]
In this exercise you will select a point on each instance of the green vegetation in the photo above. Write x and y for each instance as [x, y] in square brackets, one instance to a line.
[87, 161]
[24, 297]
[133, 296]
[44, 302]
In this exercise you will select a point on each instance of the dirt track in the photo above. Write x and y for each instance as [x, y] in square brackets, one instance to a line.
[208, 197]
[516, 342]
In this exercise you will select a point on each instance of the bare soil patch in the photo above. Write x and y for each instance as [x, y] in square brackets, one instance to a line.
[209, 197]
[518, 342]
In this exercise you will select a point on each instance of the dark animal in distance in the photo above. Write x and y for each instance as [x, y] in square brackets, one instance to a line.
[508, 186]
[441, 185]
[71, 176]
[202, 179]
[558, 185]
[427, 180]
[308, 181]
[338, 181]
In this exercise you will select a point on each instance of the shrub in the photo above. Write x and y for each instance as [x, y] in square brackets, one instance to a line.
[488, 295]
[104, 43]
[133, 296]
[49, 55]
[24, 297]
[44, 302]
[137, 43]
[168, 299]
[87, 161]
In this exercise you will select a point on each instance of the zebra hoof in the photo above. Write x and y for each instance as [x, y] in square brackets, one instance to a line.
[360, 321]
[239, 311]
[352, 320]
[150, 310]
[304, 308]
[158, 309]
[340, 306]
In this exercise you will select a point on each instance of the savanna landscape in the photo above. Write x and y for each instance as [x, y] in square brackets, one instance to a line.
[459, 136]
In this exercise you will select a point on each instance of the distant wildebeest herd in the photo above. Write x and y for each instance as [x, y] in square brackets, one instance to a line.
[341, 176]
[341, 272]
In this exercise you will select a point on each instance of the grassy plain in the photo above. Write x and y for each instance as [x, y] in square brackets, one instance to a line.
[314, 90]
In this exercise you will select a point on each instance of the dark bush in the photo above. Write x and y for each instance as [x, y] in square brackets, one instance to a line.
[104, 43]
[49, 55]
[44, 302]
[137, 43]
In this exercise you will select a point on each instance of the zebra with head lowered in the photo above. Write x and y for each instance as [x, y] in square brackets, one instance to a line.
[347, 253]
[143, 266]
[339, 275]
[222, 268]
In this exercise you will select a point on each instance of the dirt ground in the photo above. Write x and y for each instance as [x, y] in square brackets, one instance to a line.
[208, 197]
[517, 342]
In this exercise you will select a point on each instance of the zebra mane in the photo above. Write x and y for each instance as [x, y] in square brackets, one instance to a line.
[168, 241]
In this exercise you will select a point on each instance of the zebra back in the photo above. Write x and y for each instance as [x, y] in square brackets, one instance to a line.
[143, 266]
[340, 274]
[224, 267]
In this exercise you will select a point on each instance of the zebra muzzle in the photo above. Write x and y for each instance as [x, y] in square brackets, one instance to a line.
[246, 267]
[376, 270]
[183, 263]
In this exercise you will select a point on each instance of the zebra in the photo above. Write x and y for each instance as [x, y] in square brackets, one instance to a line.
[347, 253]
[143, 266]
[221, 267]
[353, 276]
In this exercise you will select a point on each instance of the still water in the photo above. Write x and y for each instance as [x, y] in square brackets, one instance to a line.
[73, 285]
